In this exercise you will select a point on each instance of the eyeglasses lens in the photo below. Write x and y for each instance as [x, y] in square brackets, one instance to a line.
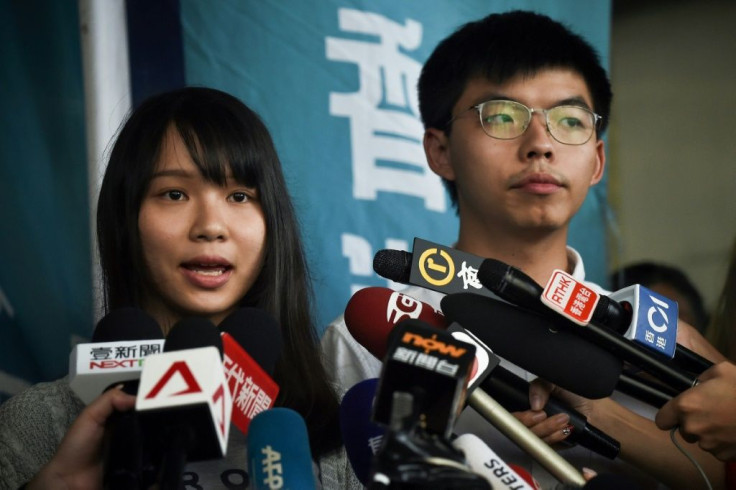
[504, 119]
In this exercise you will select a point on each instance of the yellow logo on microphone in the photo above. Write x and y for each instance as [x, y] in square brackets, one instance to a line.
[436, 267]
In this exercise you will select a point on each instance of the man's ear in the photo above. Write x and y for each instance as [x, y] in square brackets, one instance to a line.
[436, 148]
[600, 163]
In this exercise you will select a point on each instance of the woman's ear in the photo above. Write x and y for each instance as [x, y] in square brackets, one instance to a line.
[436, 149]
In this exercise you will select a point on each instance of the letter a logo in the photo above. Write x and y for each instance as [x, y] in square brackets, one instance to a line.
[181, 368]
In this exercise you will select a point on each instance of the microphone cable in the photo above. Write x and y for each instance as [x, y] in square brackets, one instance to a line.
[690, 457]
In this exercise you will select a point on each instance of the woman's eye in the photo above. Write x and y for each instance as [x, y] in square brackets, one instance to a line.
[175, 195]
[239, 197]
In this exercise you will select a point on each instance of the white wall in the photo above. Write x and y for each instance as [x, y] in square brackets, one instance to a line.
[672, 141]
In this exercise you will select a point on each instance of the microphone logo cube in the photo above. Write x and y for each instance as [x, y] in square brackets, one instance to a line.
[573, 299]
[432, 366]
[95, 366]
[252, 389]
[401, 306]
[654, 318]
[191, 383]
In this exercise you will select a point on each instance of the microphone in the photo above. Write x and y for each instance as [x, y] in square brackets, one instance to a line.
[432, 366]
[484, 461]
[250, 330]
[415, 451]
[371, 314]
[361, 436]
[183, 402]
[115, 355]
[119, 342]
[533, 342]
[278, 451]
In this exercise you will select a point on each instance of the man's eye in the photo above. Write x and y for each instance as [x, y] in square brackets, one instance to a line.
[499, 118]
[571, 122]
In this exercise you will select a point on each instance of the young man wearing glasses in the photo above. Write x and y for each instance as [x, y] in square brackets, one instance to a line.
[513, 107]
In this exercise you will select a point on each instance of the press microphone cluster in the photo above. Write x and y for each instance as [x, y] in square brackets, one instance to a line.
[372, 313]
[451, 271]
[370, 317]
[187, 390]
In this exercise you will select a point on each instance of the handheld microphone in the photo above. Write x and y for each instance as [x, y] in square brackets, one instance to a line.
[415, 452]
[115, 355]
[250, 330]
[119, 342]
[278, 451]
[432, 366]
[371, 314]
[484, 461]
[183, 402]
[361, 436]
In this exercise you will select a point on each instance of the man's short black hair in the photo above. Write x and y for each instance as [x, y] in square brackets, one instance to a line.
[498, 48]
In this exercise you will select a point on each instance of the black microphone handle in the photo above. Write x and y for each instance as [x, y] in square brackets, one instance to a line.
[512, 392]
[174, 459]
[634, 353]
[654, 394]
[691, 361]
[123, 452]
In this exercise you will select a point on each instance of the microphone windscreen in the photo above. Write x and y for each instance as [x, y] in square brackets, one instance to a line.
[127, 323]
[191, 333]
[361, 436]
[393, 264]
[531, 341]
[257, 332]
[372, 313]
[278, 451]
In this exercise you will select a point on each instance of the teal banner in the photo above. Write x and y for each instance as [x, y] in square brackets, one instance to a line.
[335, 82]
[45, 275]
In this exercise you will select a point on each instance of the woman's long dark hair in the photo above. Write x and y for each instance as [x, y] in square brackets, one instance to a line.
[221, 133]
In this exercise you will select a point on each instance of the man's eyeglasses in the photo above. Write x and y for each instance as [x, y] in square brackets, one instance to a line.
[506, 120]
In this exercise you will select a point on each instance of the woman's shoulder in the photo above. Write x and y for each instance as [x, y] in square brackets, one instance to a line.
[32, 423]
[53, 401]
